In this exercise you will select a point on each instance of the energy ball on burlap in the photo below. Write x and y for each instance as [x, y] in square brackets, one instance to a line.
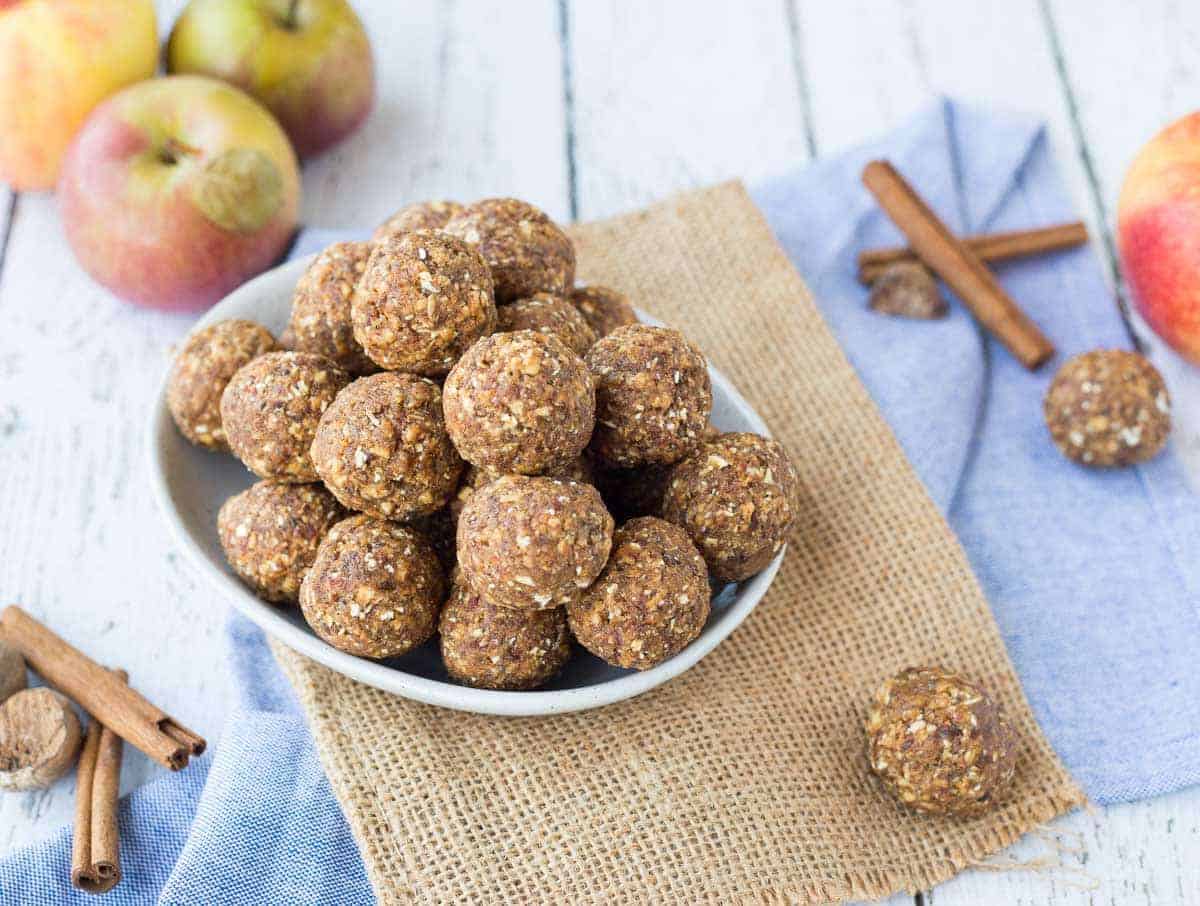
[320, 319]
[520, 403]
[939, 743]
[603, 308]
[270, 410]
[653, 396]
[526, 250]
[494, 647]
[737, 498]
[533, 543]
[382, 447]
[474, 478]
[375, 588]
[423, 299]
[651, 600]
[421, 215]
[1108, 408]
[203, 368]
[551, 315]
[270, 533]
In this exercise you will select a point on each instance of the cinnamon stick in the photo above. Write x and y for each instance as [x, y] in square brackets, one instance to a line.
[99, 692]
[988, 246]
[944, 254]
[95, 855]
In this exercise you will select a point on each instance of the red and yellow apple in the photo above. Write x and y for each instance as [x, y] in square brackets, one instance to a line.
[308, 61]
[177, 190]
[58, 60]
[1158, 232]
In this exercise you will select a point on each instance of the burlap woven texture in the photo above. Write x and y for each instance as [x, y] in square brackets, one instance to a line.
[744, 780]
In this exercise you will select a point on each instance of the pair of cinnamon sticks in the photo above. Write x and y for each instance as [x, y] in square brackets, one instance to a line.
[960, 262]
[117, 713]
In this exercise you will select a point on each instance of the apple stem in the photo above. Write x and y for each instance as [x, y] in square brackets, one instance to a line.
[290, 19]
[173, 149]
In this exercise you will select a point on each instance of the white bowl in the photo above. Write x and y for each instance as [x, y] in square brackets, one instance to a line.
[191, 484]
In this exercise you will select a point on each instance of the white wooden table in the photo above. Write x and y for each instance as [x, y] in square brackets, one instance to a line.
[587, 108]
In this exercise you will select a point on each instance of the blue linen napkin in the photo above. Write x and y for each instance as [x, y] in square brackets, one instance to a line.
[1093, 576]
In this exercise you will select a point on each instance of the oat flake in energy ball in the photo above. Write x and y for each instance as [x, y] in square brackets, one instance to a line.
[653, 396]
[270, 410]
[533, 543]
[382, 447]
[520, 403]
[650, 602]
[939, 743]
[203, 368]
[375, 588]
[423, 299]
[270, 533]
[492, 647]
[1108, 408]
[526, 250]
[737, 497]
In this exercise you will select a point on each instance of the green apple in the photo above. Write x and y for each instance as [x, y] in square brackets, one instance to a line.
[308, 61]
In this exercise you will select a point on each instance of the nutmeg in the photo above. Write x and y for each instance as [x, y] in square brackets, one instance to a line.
[39, 739]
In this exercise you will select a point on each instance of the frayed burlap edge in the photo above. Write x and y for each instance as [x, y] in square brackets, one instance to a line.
[648, 254]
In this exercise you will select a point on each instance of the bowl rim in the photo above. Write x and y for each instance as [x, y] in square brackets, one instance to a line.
[271, 620]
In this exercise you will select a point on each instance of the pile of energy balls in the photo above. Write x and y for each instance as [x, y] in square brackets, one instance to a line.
[454, 439]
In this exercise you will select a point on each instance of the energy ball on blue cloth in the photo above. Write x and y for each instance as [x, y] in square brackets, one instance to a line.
[320, 321]
[421, 302]
[603, 308]
[270, 410]
[382, 447]
[737, 497]
[421, 215]
[653, 396]
[526, 250]
[270, 533]
[203, 368]
[375, 588]
[533, 543]
[551, 315]
[939, 743]
[651, 600]
[520, 403]
[492, 647]
[1108, 408]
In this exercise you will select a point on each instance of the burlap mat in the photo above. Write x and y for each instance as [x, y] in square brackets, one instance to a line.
[745, 778]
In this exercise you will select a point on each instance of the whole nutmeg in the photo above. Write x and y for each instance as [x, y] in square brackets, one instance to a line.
[39, 739]
[907, 289]
[12, 672]
[1108, 407]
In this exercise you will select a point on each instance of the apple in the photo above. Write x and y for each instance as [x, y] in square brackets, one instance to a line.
[1158, 234]
[308, 61]
[177, 190]
[58, 60]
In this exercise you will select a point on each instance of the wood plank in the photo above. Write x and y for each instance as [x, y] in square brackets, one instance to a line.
[460, 113]
[673, 95]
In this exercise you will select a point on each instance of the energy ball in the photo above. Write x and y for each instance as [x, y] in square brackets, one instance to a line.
[551, 315]
[653, 396]
[1108, 408]
[382, 447]
[494, 647]
[421, 215]
[270, 410]
[209, 358]
[939, 743]
[533, 543]
[270, 533]
[737, 498]
[520, 402]
[603, 308]
[651, 600]
[320, 319]
[526, 250]
[423, 299]
[374, 589]
[474, 478]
